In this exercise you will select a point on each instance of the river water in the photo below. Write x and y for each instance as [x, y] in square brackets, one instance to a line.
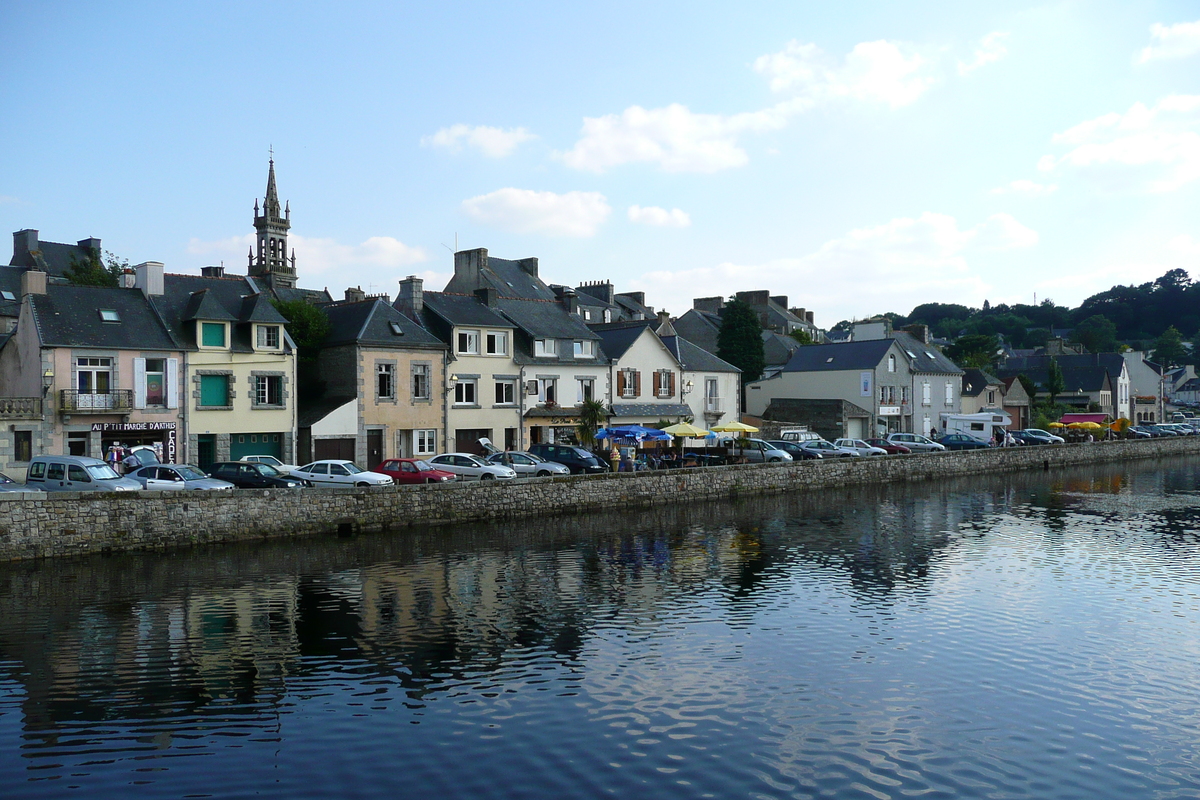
[1017, 636]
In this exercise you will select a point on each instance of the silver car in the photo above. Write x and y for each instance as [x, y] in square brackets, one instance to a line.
[916, 442]
[860, 447]
[470, 467]
[169, 477]
[527, 464]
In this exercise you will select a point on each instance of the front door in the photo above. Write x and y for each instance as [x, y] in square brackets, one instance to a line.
[374, 448]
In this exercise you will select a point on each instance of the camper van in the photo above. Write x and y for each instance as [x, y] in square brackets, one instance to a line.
[981, 426]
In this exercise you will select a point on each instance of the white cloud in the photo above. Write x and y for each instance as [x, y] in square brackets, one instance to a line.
[1026, 187]
[990, 50]
[1172, 41]
[892, 73]
[1156, 149]
[526, 211]
[894, 266]
[320, 258]
[652, 215]
[492, 142]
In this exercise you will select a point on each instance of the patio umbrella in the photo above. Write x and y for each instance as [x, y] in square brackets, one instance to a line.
[1056, 425]
[1092, 426]
[735, 427]
[685, 430]
[1077, 425]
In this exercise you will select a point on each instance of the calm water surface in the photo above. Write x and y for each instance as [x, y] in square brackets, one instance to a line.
[1029, 636]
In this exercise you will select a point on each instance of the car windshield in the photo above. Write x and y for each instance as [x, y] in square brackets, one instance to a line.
[5, 479]
[352, 468]
[422, 466]
[102, 472]
[190, 474]
[271, 460]
[476, 461]
[268, 471]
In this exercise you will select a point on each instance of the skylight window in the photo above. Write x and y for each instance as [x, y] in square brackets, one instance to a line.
[911, 354]
[396, 329]
[7, 295]
[109, 315]
[829, 360]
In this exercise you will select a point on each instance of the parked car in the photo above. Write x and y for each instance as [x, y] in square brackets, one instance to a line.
[248, 475]
[470, 467]
[860, 447]
[176, 476]
[76, 474]
[1046, 435]
[576, 459]
[960, 441]
[1146, 431]
[286, 469]
[915, 442]
[794, 450]
[414, 470]
[1135, 433]
[527, 464]
[828, 449]
[339, 472]
[756, 451]
[7, 484]
[1022, 438]
[800, 436]
[891, 448]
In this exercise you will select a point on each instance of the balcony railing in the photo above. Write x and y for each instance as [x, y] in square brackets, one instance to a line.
[20, 407]
[73, 401]
[714, 405]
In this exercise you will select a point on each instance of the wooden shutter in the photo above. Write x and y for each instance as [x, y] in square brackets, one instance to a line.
[620, 383]
[670, 384]
[139, 383]
[637, 383]
[172, 383]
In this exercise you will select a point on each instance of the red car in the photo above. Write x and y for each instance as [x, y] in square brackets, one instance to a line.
[892, 448]
[413, 470]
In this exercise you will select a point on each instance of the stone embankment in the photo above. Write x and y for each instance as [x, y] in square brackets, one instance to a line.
[70, 523]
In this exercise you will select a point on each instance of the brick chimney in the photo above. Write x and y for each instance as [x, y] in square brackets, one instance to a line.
[411, 300]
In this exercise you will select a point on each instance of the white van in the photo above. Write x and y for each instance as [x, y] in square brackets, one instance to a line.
[75, 474]
[800, 435]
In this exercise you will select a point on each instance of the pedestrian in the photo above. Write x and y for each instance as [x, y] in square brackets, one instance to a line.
[113, 456]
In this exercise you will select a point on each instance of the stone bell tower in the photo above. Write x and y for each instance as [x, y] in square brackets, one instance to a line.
[272, 263]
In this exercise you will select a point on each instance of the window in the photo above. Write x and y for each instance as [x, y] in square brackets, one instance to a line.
[94, 375]
[268, 390]
[949, 393]
[7, 295]
[420, 381]
[268, 337]
[587, 389]
[587, 315]
[904, 398]
[548, 389]
[505, 393]
[608, 315]
[156, 369]
[585, 349]
[664, 383]
[214, 390]
[497, 343]
[464, 393]
[212, 334]
[425, 442]
[629, 383]
[109, 315]
[991, 397]
[926, 394]
[468, 342]
[23, 445]
[544, 348]
[891, 363]
[385, 381]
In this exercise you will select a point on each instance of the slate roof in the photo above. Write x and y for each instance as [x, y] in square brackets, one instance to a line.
[222, 299]
[617, 337]
[1089, 379]
[10, 281]
[54, 258]
[837, 357]
[369, 323]
[508, 278]
[694, 359]
[778, 348]
[924, 357]
[976, 380]
[543, 319]
[651, 410]
[633, 307]
[463, 309]
[700, 328]
[314, 297]
[68, 316]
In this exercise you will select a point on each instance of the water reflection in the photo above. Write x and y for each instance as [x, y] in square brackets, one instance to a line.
[621, 640]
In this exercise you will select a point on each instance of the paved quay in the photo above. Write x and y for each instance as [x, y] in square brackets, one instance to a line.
[71, 523]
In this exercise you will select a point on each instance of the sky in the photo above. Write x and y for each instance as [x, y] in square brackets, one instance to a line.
[856, 157]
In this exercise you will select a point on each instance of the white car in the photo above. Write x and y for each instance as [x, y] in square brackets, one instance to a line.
[916, 442]
[271, 461]
[860, 447]
[528, 464]
[335, 472]
[470, 468]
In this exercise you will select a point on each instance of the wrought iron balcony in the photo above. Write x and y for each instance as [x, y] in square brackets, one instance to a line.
[73, 401]
[714, 405]
[20, 407]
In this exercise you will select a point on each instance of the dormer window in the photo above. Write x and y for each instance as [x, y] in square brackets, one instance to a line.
[268, 337]
[585, 349]
[544, 348]
[109, 315]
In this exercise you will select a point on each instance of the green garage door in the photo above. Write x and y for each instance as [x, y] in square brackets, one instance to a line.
[255, 444]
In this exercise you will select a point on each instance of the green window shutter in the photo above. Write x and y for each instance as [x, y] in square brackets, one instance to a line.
[214, 390]
[212, 334]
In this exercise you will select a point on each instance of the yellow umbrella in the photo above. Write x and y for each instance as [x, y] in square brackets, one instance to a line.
[735, 427]
[1092, 426]
[1057, 425]
[1076, 425]
[685, 430]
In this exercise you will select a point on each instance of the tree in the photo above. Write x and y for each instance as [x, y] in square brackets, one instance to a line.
[1168, 348]
[1055, 382]
[1028, 384]
[974, 351]
[592, 416]
[308, 327]
[92, 271]
[1097, 334]
[801, 336]
[739, 340]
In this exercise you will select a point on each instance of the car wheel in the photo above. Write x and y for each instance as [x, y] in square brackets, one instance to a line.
[776, 460]
[362, 484]
[543, 473]
[487, 476]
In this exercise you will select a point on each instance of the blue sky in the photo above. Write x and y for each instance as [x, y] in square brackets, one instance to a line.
[856, 157]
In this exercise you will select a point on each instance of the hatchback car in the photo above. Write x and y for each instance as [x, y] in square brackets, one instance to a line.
[1041, 434]
[414, 470]
[960, 441]
[891, 448]
[794, 450]
[248, 475]
[756, 451]
[470, 467]
[527, 464]
[860, 447]
[338, 472]
[915, 442]
[828, 449]
[272, 461]
[576, 459]
[176, 476]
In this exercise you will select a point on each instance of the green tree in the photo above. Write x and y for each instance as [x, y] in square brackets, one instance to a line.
[975, 351]
[801, 336]
[1097, 334]
[1055, 382]
[308, 326]
[592, 416]
[92, 271]
[1028, 384]
[739, 340]
[1168, 348]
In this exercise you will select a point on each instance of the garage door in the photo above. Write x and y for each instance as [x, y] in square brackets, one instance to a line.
[333, 448]
[255, 444]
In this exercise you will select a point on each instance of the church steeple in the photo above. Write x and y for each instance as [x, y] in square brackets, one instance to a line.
[272, 262]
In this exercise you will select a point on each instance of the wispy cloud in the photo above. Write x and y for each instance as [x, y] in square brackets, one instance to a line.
[660, 217]
[892, 73]
[990, 50]
[1171, 41]
[492, 142]
[577, 214]
[1027, 187]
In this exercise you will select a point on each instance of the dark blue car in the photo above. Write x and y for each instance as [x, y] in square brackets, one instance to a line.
[960, 441]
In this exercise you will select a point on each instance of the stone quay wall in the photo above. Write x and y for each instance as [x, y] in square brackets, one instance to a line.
[76, 523]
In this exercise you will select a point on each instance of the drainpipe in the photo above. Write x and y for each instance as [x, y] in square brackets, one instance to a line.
[184, 393]
[445, 400]
[521, 409]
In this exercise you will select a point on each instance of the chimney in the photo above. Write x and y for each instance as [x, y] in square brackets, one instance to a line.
[665, 328]
[488, 296]
[411, 300]
[530, 265]
[468, 266]
[758, 297]
[90, 244]
[355, 294]
[808, 315]
[601, 290]
[780, 300]
[711, 305]
[24, 242]
[149, 278]
[568, 298]
[637, 297]
[918, 332]
[33, 282]
[798, 313]
[213, 272]
[127, 280]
